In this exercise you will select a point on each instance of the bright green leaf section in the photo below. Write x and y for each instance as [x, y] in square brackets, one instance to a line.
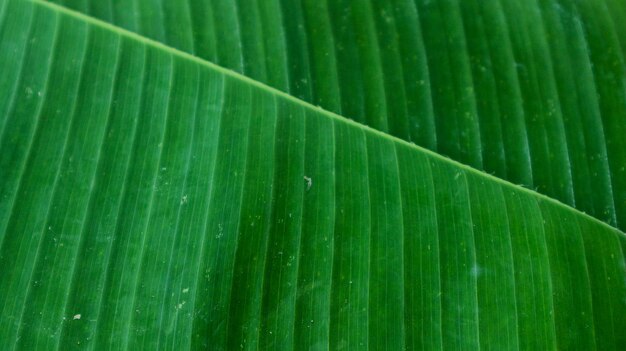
[532, 91]
[152, 200]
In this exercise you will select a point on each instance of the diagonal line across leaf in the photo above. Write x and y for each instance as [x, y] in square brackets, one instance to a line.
[529, 91]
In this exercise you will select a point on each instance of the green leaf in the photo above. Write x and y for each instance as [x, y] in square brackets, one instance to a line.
[150, 199]
[531, 91]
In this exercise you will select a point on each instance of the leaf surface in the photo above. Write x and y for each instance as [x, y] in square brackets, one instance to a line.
[153, 200]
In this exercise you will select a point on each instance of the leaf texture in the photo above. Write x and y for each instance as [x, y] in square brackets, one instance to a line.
[530, 91]
[152, 200]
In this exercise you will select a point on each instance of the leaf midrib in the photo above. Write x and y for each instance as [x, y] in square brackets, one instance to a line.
[259, 85]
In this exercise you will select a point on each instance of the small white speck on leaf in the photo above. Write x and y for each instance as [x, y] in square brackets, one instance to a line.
[476, 270]
[77, 316]
[185, 290]
[184, 199]
[309, 183]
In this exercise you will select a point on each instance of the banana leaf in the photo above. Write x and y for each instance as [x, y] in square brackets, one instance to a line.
[153, 200]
